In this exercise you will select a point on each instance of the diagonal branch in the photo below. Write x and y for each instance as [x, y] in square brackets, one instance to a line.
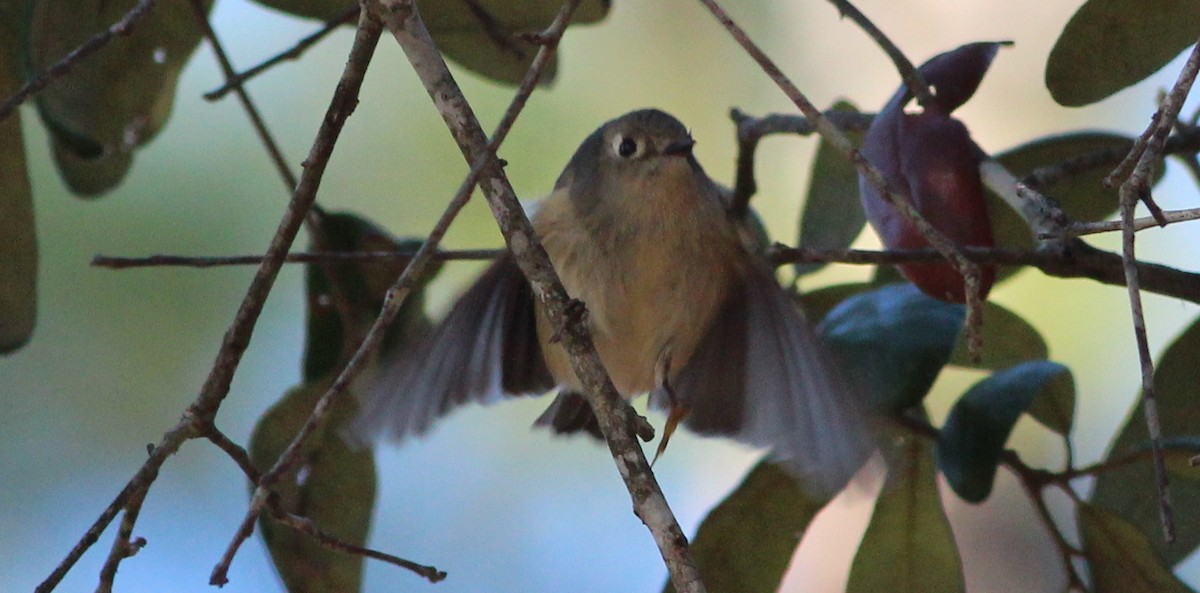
[615, 417]
[294, 52]
[898, 199]
[35, 85]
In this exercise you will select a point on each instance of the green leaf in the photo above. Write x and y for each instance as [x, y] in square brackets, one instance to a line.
[118, 98]
[973, 437]
[1120, 558]
[1112, 44]
[333, 486]
[1128, 489]
[18, 241]
[908, 546]
[896, 338]
[1007, 340]
[833, 215]
[362, 286]
[494, 49]
[746, 543]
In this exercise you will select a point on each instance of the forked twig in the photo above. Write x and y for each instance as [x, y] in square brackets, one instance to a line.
[901, 202]
[1146, 156]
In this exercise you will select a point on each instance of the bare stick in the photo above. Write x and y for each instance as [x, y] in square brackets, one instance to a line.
[256, 119]
[751, 130]
[152, 261]
[898, 199]
[1137, 188]
[395, 296]
[63, 66]
[307, 527]
[912, 77]
[614, 415]
[341, 106]
[345, 17]
[1079, 229]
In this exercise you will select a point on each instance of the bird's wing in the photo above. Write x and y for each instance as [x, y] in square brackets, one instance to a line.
[763, 376]
[486, 347]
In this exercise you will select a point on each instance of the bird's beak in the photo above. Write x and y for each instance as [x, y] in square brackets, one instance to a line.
[680, 147]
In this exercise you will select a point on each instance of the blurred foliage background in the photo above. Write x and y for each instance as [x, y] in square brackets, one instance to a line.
[118, 354]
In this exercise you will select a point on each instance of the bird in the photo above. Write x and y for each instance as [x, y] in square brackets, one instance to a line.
[679, 303]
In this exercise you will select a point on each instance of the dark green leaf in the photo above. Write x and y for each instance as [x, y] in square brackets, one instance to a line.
[746, 543]
[333, 486]
[494, 49]
[1128, 490]
[908, 546]
[896, 339]
[973, 437]
[1112, 44]
[1120, 558]
[18, 243]
[833, 215]
[118, 98]
[361, 286]
[1007, 340]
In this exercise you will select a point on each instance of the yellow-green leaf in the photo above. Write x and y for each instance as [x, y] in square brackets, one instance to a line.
[1111, 44]
[833, 216]
[18, 242]
[333, 486]
[747, 541]
[908, 546]
[119, 97]
[1120, 558]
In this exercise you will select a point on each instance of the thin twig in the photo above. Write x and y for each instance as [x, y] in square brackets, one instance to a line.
[912, 77]
[1073, 259]
[1134, 189]
[152, 261]
[341, 106]
[1079, 229]
[1033, 482]
[898, 199]
[260, 126]
[235, 451]
[307, 527]
[751, 130]
[613, 413]
[345, 17]
[63, 66]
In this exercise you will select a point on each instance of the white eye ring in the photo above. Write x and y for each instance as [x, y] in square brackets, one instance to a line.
[626, 147]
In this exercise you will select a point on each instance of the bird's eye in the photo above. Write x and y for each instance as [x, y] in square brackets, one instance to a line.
[627, 147]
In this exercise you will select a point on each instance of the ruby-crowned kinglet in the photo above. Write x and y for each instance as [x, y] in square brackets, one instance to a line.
[678, 305]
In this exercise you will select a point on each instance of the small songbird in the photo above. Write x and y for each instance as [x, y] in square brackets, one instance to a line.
[678, 305]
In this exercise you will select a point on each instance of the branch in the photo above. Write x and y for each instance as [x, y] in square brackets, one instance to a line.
[750, 130]
[292, 53]
[152, 261]
[1137, 188]
[63, 66]
[898, 199]
[237, 339]
[614, 415]
[912, 77]
[306, 526]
